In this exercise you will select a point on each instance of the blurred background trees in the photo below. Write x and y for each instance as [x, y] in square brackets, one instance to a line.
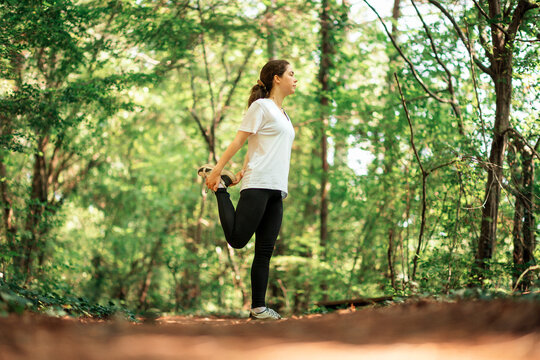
[108, 107]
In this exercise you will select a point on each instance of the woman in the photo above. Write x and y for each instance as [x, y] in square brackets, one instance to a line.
[270, 135]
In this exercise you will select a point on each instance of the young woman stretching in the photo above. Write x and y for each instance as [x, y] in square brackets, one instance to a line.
[270, 135]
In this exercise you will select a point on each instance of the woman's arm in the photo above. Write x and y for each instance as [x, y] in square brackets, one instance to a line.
[246, 161]
[212, 180]
[240, 174]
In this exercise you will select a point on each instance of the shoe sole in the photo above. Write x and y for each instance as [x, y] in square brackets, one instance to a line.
[253, 317]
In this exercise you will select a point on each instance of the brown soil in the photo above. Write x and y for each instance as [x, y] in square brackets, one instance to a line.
[421, 330]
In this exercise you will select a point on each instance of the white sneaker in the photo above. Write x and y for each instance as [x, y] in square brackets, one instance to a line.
[266, 314]
[227, 177]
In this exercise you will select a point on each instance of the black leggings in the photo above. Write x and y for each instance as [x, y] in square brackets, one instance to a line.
[258, 211]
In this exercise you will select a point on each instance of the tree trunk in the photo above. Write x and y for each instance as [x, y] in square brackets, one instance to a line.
[524, 224]
[237, 279]
[190, 289]
[151, 265]
[529, 225]
[327, 49]
[502, 70]
[36, 208]
[9, 229]
[271, 39]
[391, 272]
[488, 232]
[198, 231]
[389, 148]
[98, 278]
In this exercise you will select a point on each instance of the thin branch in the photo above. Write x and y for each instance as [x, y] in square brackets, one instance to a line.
[441, 166]
[301, 124]
[522, 7]
[284, 290]
[509, 35]
[205, 57]
[527, 40]
[219, 117]
[193, 87]
[222, 58]
[166, 65]
[367, 227]
[484, 42]
[535, 267]
[436, 223]
[490, 21]
[193, 111]
[435, 52]
[199, 124]
[411, 65]
[424, 176]
[506, 11]
[522, 138]
[240, 71]
[410, 125]
[454, 102]
[475, 85]
[461, 36]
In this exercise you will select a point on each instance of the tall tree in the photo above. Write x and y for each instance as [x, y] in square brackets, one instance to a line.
[57, 91]
[332, 21]
[389, 146]
[327, 51]
[504, 25]
[269, 22]
[504, 21]
[521, 159]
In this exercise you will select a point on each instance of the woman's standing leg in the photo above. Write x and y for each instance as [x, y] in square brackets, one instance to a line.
[265, 239]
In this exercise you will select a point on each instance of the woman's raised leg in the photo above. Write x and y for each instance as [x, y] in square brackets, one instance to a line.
[239, 225]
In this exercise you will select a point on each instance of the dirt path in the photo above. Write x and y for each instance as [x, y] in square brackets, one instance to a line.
[425, 330]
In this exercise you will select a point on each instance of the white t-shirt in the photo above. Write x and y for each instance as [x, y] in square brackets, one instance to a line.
[269, 146]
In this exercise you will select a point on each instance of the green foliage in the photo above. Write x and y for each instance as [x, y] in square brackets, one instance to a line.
[107, 109]
[14, 299]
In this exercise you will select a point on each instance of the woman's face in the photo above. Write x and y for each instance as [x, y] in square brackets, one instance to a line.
[287, 82]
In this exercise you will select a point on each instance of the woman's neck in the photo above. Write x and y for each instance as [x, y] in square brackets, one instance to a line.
[278, 98]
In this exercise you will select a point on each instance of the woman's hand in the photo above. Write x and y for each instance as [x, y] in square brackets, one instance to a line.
[213, 179]
[239, 175]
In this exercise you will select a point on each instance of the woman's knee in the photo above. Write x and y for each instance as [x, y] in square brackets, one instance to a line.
[238, 242]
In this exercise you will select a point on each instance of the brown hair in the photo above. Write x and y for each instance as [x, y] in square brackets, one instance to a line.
[266, 79]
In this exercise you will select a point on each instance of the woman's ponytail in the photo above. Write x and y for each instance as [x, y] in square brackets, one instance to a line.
[266, 79]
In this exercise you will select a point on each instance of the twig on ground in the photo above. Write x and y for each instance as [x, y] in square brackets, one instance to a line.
[535, 267]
